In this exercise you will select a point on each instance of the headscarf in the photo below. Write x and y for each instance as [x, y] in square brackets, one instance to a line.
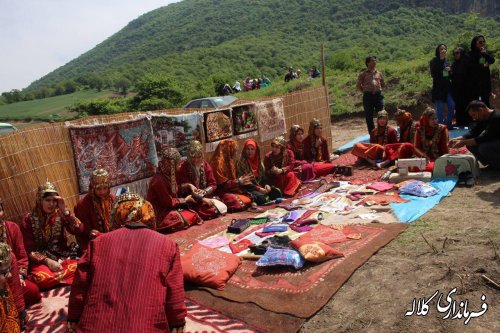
[315, 123]
[195, 149]
[297, 146]
[43, 190]
[254, 163]
[132, 208]
[100, 178]
[223, 162]
[429, 135]
[168, 166]
[381, 132]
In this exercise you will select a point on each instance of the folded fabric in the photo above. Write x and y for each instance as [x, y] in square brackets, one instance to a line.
[278, 242]
[215, 242]
[276, 228]
[315, 251]
[240, 246]
[281, 257]
[258, 220]
[325, 235]
[380, 186]
[264, 234]
[419, 189]
[304, 228]
[293, 215]
[209, 267]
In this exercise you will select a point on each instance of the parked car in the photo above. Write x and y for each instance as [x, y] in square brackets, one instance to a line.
[7, 128]
[210, 102]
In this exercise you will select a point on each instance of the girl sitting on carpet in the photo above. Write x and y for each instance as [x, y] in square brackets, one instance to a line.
[172, 212]
[279, 164]
[431, 138]
[196, 178]
[9, 318]
[228, 185]
[251, 165]
[94, 209]
[302, 168]
[316, 150]
[380, 136]
[44, 231]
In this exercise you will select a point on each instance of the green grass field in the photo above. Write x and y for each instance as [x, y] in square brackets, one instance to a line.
[47, 109]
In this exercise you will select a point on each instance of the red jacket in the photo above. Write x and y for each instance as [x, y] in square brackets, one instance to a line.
[310, 150]
[129, 280]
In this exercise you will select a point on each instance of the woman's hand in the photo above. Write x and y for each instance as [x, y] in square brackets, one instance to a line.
[61, 204]
[53, 265]
[190, 200]
[245, 179]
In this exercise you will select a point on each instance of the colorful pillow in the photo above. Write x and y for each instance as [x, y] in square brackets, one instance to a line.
[315, 251]
[419, 188]
[281, 257]
[208, 267]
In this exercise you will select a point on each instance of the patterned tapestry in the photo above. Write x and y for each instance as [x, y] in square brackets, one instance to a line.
[217, 125]
[244, 120]
[126, 150]
[175, 131]
[271, 119]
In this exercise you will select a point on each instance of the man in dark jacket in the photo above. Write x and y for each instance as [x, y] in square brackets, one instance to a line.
[483, 140]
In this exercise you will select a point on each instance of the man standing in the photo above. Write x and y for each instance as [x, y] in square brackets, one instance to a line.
[128, 280]
[483, 140]
[371, 82]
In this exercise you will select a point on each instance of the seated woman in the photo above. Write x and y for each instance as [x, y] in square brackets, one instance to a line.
[405, 146]
[44, 231]
[197, 179]
[279, 164]
[9, 318]
[94, 209]
[251, 165]
[228, 185]
[172, 212]
[316, 150]
[431, 138]
[380, 136]
[302, 168]
[12, 236]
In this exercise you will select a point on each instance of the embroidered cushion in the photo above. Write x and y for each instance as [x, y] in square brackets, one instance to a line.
[209, 267]
[281, 257]
[315, 251]
[325, 235]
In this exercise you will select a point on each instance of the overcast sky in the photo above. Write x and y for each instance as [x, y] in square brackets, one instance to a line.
[38, 36]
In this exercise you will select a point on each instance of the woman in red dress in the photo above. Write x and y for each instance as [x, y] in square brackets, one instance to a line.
[431, 138]
[303, 169]
[9, 315]
[172, 212]
[11, 235]
[44, 231]
[316, 150]
[228, 185]
[279, 164]
[94, 208]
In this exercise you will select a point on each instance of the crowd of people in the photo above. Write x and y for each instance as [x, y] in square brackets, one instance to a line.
[248, 85]
[455, 83]
[296, 75]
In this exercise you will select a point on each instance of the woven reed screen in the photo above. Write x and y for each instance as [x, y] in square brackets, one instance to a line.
[32, 155]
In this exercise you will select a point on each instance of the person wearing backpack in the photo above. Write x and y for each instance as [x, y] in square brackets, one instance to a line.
[483, 140]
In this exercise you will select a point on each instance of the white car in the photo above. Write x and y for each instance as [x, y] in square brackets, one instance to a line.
[7, 128]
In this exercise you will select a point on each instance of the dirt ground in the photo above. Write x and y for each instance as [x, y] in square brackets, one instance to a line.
[464, 229]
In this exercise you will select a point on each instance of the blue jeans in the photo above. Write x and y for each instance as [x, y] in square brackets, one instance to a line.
[451, 110]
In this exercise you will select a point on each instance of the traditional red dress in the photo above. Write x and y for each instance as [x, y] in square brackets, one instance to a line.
[205, 180]
[94, 214]
[432, 141]
[303, 169]
[287, 182]
[47, 239]
[171, 215]
[379, 138]
[319, 157]
[10, 232]
[129, 280]
[9, 315]
[224, 168]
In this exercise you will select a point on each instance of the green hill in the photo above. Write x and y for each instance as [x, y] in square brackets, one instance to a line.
[199, 42]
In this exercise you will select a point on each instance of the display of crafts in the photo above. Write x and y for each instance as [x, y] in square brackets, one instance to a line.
[244, 119]
[218, 125]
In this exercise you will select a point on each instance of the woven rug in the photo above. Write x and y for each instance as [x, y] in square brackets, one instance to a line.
[125, 149]
[271, 119]
[49, 316]
[362, 173]
[292, 294]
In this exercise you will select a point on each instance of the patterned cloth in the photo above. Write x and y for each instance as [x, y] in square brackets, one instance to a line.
[217, 125]
[271, 119]
[9, 317]
[126, 150]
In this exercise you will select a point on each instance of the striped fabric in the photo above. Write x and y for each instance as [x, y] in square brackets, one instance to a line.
[129, 280]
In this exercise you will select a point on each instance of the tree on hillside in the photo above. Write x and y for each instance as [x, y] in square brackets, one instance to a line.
[122, 85]
[159, 87]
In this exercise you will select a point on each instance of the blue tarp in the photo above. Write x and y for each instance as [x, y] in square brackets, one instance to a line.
[454, 133]
[418, 206]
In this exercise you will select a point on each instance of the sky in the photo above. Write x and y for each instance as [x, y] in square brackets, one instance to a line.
[38, 36]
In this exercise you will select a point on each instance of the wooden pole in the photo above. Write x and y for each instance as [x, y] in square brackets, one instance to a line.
[323, 75]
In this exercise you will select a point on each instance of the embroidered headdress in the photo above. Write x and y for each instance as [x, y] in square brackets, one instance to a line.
[5, 256]
[100, 178]
[195, 148]
[382, 113]
[132, 208]
[280, 141]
